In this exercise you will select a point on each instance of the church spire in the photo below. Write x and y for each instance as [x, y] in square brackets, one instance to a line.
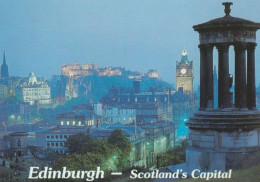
[4, 61]
[4, 68]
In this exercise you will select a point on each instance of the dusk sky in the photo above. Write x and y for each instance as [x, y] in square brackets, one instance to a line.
[39, 36]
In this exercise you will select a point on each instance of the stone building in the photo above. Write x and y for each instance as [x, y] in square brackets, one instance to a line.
[152, 73]
[184, 74]
[34, 92]
[226, 137]
[4, 91]
[77, 70]
[118, 114]
[18, 143]
[82, 115]
[55, 138]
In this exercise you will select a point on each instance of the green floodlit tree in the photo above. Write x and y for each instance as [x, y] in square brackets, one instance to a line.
[119, 140]
[87, 153]
[173, 156]
[75, 161]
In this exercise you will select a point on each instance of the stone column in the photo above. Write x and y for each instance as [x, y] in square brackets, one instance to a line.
[251, 92]
[209, 76]
[240, 75]
[223, 75]
[203, 77]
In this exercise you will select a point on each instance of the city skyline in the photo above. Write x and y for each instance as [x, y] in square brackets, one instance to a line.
[137, 35]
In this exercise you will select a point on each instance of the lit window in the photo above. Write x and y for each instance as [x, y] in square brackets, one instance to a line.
[79, 123]
[61, 123]
[68, 123]
[73, 123]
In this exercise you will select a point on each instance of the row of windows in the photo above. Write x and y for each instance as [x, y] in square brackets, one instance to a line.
[57, 136]
[37, 93]
[120, 111]
[119, 120]
[73, 123]
[61, 152]
[130, 119]
[52, 144]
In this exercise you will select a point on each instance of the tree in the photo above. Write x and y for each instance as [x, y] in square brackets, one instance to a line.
[119, 140]
[86, 153]
[174, 156]
[101, 147]
[80, 161]
[79, 143]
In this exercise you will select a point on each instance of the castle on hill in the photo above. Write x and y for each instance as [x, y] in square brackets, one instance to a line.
[77, 71]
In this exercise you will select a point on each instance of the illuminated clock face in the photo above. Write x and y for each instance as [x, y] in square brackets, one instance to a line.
[183, 71]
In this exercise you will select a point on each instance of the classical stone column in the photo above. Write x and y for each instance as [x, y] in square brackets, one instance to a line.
[240, 75]
[203, 77]
[223, 75]
[209, 76]
[251, 93]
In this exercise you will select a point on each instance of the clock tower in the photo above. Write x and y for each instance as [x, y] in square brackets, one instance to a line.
[184, 74]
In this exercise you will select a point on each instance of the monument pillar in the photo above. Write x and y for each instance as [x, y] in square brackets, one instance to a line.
[223, 76]
[240, 75]
[251, 92]
[209, 76]
[203, 77]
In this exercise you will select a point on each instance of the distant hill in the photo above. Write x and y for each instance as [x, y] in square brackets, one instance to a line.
[100, 85]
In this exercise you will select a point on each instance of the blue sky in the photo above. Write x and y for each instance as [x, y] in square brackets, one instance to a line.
[39, 36]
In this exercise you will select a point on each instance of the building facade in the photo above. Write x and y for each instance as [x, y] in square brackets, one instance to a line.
[116, 114]
[34, 92]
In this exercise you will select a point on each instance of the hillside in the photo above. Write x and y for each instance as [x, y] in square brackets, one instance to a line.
[100, 85]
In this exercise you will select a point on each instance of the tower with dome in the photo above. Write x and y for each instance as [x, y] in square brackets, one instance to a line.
[184, 74]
